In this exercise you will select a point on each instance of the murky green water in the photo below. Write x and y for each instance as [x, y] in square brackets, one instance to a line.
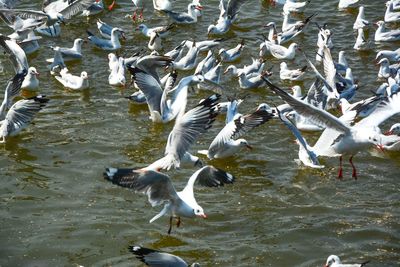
[57, 210]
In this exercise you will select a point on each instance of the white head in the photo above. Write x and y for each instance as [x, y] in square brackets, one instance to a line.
[211, 29]
[384, 62]
[84, 75]
[78, 42]
[243, 143]
[296, 91]
[380, 23]
[294, 46]
[198, 211]
[231, 68]
[332, 260]
[32, 71]
[283, 65]
[112, 57]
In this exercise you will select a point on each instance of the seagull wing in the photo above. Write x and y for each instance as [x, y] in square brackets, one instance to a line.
[385, 110]
[15, 52]
[211, 177]
[318, 116]
[154, 258]
[75, 7]
[150, 64]
[21, 114]
[14, 85]
[239, 126]
[149, 86]
[189, 126]
[25, 13]
[156, 185]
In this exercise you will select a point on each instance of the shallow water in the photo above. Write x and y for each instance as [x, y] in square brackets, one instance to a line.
[57, 210]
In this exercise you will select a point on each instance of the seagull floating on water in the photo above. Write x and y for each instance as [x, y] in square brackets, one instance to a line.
[334, 261]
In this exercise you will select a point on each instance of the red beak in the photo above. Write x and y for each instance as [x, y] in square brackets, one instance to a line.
[199, 7]
[388, 133]
[380, 148]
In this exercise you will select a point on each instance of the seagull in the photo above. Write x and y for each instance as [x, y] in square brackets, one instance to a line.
[155, 258]
[160, 191]
[162, 5]
[73, 82]
[360, 22]
[155, 42]
[31, 81]
[390, 14]
[293, 6]
[281, 52]
[393, 56]
[70, 54]
[204, 45]
[188, 127]
[386, 70]
[226, 144]
[106, 29]
[334, 261]
[394, 130]
[20, 115]
[292, 75]
[306, 155]
[51, 16]
[162, 31]
[251, 70]
[250, 82]
[340, 138]
[58, 60]
[117, 75]
[228, 14]
[189, 61]
[361, 43]
[384, 35]
[105, 44]
[184, 18]
[231, 54]
[346, 3]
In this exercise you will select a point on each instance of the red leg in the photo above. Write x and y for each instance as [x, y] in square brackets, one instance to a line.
[178, 223]
[354, 175]
[340, 175]
[141, 15]
[110, 7]
[134, 16]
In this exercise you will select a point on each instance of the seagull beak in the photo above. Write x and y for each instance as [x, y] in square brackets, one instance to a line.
[249, 147]
[380, 148]
[199, 8]
[123, 35]
[204, 216]
[388, 133]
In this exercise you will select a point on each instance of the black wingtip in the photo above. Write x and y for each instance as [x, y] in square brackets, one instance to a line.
[141, 252]
[364, 263]
[89, 33]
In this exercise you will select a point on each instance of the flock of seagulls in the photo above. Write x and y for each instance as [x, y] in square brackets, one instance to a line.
[355, 129]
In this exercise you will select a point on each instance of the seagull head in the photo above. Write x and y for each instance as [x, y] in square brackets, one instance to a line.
[198, 211]
[33, 71]
[243, 143]
[84, 75]
[394, 130]
[332, 259]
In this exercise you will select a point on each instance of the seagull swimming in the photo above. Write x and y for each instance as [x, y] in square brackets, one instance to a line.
[71, 81]
[334, 261]
[105, 44]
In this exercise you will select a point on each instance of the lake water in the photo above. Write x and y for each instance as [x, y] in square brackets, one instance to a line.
[57, 210]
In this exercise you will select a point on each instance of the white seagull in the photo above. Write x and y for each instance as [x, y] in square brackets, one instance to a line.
[71, 81]
[293, 75]
[334, 261]
[73, 53]
[31, 82]
[360, 22]
[105, 44]
[231, 54]
[184, 18]
[382, 34]
[160, 191]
